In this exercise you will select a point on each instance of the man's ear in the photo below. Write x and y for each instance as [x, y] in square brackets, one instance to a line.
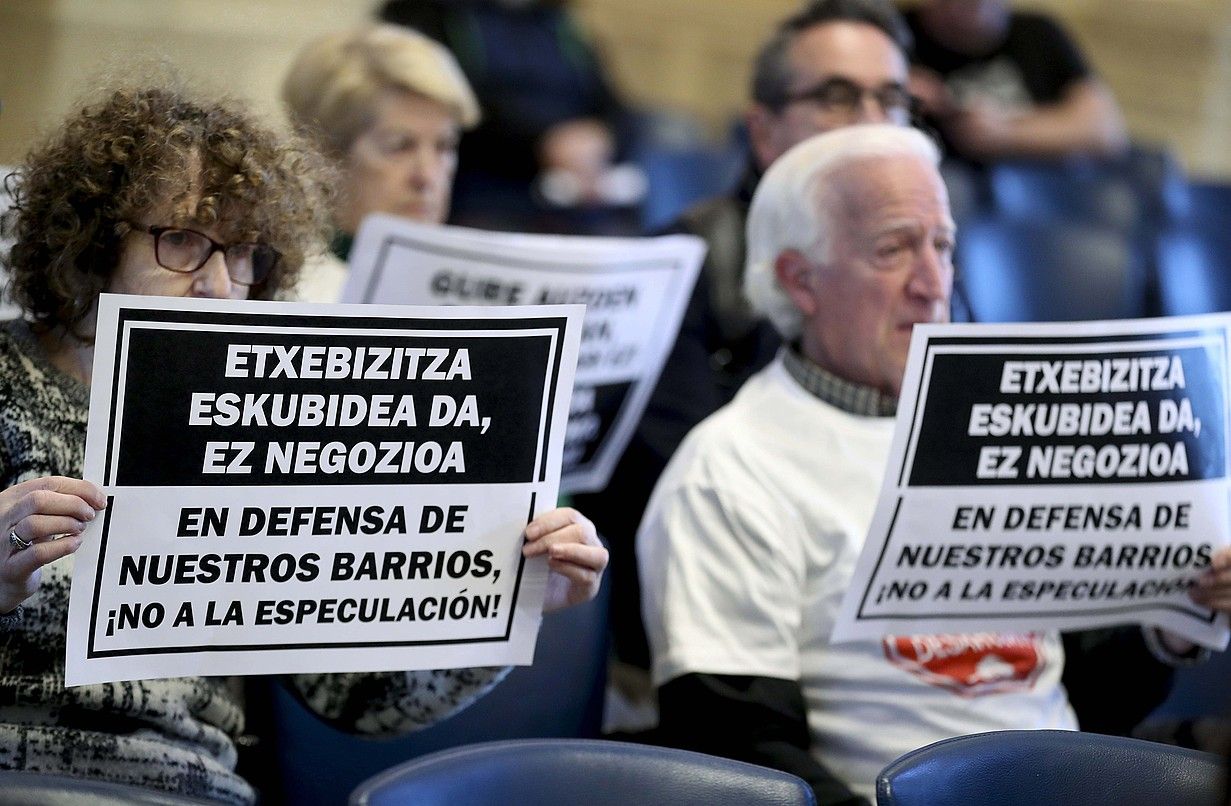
[794, 272]
[762, 123]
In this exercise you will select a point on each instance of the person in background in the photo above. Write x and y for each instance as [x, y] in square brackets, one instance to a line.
[1000, 83]
[151, 191]
[387, 105]
[552, 122]
[833, 64]
[753, 532]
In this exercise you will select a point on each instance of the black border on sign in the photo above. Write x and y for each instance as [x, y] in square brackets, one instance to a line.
[92, 653]
[672, 267]
[326, 322]
[978, 341]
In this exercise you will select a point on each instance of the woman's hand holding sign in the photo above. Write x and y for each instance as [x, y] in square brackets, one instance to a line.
[574, 555]
[32, 514]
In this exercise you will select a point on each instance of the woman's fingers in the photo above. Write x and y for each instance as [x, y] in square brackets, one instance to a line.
[553, 520]
[591, 558]
[559, 526]
[37, 528]
[583, 582]
[52, 495]
[22, 563]
[91, 493]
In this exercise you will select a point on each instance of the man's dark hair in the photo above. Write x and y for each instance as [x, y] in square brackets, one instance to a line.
[771, 75]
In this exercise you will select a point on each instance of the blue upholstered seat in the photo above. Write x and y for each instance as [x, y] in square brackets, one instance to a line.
[1028, 271]
[1050, 768]
[596, 773]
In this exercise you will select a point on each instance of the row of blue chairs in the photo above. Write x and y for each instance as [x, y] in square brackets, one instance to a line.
[1008, 768]
[1143, 190]
[1137, 194]
[1085, 239]
[1039, 240]
[1012, 270]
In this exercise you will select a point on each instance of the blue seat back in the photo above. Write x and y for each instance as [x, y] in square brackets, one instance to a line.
[561, 695]
[1029, 271]
[680, 177]
[1094, 193]
[968, 192]
[1034, 767]
[1200, 691]
[596, 773]
[1194, 270]
[1201, 204]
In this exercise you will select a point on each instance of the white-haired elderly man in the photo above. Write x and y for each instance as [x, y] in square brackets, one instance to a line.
[752, 533]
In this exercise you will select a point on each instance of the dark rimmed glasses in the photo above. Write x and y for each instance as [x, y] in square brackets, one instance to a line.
[185, 250]
[841, 96]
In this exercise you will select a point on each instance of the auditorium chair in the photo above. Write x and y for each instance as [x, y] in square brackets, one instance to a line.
[681, 176]
[1100, 193]
[1194, 270]
[1044, 767]
[967, 187]
[561, 695]
[1206, 205]
[1030, 271]
[565, 772]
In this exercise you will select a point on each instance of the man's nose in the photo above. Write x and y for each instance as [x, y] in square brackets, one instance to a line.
[932, 278]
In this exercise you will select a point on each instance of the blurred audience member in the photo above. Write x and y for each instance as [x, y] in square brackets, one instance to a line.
[388, 105]
[551, 119]
[835, 63]
[1000, 83]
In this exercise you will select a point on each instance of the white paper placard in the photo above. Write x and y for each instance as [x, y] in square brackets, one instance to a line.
[635, 291]
[316, 488]
[1051, 476]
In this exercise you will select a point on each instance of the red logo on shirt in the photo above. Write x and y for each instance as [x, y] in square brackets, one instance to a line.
[970, 665]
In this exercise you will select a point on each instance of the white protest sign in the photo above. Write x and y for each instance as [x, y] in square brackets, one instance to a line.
[316, 488]
[1051, 477]
[635, 291]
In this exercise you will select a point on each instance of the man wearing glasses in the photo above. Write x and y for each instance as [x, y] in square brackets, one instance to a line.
[833, 64]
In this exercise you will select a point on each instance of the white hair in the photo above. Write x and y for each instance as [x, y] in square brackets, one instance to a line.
[789, 212]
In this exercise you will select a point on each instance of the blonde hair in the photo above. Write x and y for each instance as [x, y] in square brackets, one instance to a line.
[789, 210]
[332, 87]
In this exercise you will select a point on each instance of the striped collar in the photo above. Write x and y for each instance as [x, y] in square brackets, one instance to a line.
[854, 398]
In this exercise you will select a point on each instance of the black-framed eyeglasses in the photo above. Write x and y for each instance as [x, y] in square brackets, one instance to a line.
[844, 97]
[185, 250]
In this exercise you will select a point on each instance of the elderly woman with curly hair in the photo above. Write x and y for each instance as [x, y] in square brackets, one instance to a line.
[151, 192]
